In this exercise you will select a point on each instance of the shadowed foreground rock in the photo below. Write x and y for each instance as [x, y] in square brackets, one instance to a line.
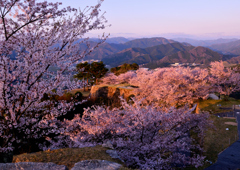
[83, 165]
[32, 166]
[96, 165]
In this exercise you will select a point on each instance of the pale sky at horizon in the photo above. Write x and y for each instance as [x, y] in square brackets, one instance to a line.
[202, 19]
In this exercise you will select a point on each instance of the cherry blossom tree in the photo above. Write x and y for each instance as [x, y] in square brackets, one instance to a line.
[144, 136]
[224, 80]
[34, 37]
[167, 87]
[110, 78]
[177, 86]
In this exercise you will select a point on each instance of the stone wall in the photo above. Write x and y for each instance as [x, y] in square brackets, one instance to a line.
[110, 93]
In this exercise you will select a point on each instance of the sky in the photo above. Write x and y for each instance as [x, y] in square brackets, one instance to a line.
[198, 19]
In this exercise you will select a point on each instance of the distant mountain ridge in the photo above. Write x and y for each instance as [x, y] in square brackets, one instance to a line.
[113, 40]
[148, 42]
[204, 43]
[232, 48]
[144, 55]
[234, 60]
[200, 55]
[106, 49]
[158, 52]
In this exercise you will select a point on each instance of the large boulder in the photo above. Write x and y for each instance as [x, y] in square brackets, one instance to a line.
[96, 165]
[32, 166]
[108, 144]
[114, 154]
[213, 96]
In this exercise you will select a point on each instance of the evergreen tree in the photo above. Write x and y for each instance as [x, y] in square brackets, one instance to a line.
[83, 70]
[91, 72]
[124, 68]
[97, 70]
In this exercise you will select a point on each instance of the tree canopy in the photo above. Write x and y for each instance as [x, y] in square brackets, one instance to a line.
[177, 86]
[124, 68]
[40, 35]
[90, 71]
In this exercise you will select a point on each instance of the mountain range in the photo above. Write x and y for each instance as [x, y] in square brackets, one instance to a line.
[199, 55]
[204, 43]
[160, 52]
[115, 40]
[144, 55]
[106, 49]
[231, 48]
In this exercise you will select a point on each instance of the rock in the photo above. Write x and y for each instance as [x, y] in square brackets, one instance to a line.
[96, 165]
[32, 166]
[113, 154]
[213, 96]
[111, 92]
[108, 144]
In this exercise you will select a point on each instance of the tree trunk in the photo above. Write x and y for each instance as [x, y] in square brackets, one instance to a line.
[87, 84]
[84, 85]
[197, 110]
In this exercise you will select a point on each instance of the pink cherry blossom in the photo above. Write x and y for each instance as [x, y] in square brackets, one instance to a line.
[34, 37]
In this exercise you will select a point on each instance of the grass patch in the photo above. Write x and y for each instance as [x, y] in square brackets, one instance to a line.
[68, 156]
[232, 119]
[215, 106]
[217, 139]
